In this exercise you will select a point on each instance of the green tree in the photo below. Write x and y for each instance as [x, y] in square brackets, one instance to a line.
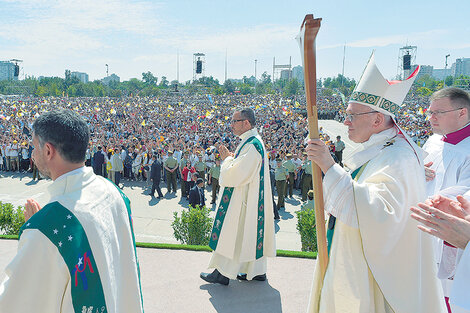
[246, 89]
[164, 82]
[292, 87]
[449, 81]
[229, 86]
[149, 79]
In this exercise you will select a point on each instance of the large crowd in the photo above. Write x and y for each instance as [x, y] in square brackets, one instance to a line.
[186, 124]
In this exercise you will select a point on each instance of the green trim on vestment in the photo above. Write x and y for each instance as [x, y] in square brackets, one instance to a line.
[226, 197]
[330, 231]
[64, 230]
[129, 214]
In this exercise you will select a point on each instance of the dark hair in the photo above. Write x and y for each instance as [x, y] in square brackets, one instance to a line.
[457, 97]
[248, 114]
[66, 131]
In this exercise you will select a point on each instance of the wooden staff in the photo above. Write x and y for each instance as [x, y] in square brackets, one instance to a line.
[311, 27]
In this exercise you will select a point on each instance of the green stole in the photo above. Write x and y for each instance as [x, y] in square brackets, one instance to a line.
[64, 230]
[332, 220]
[227, 196]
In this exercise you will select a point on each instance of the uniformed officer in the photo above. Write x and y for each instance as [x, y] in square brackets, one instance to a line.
[214, 174]
[200, 166]
[171, 165]
[281, 174]
[306, 178]
[310, 204]
[290, 166]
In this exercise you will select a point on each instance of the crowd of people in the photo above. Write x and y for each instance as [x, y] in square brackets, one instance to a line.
[130, 131]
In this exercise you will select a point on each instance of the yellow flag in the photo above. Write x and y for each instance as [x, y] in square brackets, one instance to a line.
[143, 123]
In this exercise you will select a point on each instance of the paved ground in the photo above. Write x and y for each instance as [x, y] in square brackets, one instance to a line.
[152, 217]
[171, 284]
[170, 279]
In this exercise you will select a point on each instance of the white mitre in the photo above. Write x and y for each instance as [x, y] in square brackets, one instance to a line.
[380, 94]
[384, 96]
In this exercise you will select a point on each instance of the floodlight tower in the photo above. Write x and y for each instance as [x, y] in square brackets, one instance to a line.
[199, 65]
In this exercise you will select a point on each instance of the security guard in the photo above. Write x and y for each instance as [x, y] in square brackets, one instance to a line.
[214, 174]
[281, 174]
[171, 165]
[200, 166]
[306, 178]
[290, 166]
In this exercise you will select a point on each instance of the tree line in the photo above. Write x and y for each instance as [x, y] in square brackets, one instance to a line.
[150, 85]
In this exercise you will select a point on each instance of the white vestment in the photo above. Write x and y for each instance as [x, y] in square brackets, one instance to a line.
[38, 280]
[236, 248]
[452, 166]
[460, 294]
[379, 260]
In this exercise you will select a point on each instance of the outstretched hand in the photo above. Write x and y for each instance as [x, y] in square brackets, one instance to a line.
[31, 208]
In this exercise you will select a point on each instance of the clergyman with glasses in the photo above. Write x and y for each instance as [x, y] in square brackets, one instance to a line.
[242, 236]
[378, 262]
[448, 165]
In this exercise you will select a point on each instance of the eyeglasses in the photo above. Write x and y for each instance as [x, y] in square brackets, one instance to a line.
[429, 113]
[351, 116]
[234, 121]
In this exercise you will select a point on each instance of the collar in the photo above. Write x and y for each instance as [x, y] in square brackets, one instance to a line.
[457, 136]
[74, 172]
[249, 133]
[71, 181]
[369, 149]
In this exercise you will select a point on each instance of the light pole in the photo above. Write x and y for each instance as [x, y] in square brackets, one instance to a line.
[256, 61]
[107, 68]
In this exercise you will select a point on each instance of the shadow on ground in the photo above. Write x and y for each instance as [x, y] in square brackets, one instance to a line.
[244, 296]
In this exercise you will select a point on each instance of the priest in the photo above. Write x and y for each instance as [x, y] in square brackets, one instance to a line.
[378, 261]
[448, 165]
[243, 233]
[77, 253]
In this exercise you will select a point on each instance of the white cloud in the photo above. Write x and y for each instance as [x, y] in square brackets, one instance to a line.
[243, 42]
[422, 38]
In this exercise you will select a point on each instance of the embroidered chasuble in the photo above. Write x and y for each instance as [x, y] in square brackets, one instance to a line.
[243, 231]
[378, 257]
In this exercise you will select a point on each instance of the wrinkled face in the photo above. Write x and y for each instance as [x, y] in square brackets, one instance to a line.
[359, 126]
[39, 157]
[445, 118]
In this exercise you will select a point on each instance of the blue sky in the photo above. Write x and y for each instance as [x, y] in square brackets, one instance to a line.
[137, 36]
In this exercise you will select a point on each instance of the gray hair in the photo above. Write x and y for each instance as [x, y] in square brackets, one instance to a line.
[248, 114]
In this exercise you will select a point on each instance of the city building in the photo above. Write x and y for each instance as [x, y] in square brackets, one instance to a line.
[441, 73]
[298, 73]
[111, 78]
[285, 74]
[82, 77]
[425, 70]
[461, 67]
[7, 71]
